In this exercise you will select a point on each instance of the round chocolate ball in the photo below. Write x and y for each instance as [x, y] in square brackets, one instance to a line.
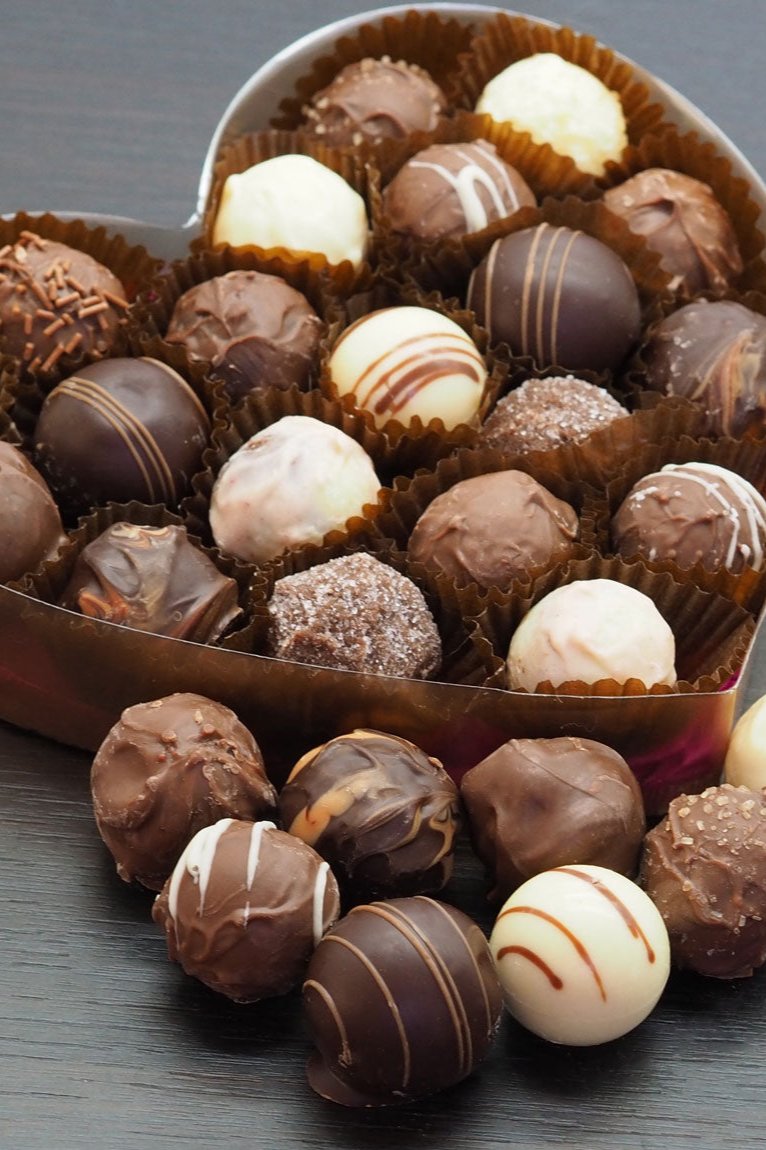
[745, 764]
[543, 414]
[30, 524]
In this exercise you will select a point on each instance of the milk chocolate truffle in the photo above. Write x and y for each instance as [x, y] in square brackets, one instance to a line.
[255, 331]
[704, 866]
[589, 630]
[406, 362]
[372, 100]
[56, 301]
[693, 513]
[380, 811]
[540, 290]
[244, 908]
[288, 485]
[30, 524]
[448, 191]
[152, 579]
[680, 219]
[401, 1000]
[713, 353]
[745, 764]
[119, 430]
[543, 414]
[166, 769]
[492, 529]
[354, 613]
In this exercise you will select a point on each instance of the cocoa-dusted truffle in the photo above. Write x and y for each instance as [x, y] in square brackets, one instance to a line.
[30, 524]
[254, 329]
[704, 867]
[402, 1000]
[492, 529]
[379, 810]
[546, 413]
[244, 908]
[354, 613]
[166, 769]
[534, 804]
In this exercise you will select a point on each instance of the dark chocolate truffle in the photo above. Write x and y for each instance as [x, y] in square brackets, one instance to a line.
[680, 219]
[535, 804]
[119, 430]
[30, 524]
[560, 296]
[704, 867]
[543, 414]
[402, 1000]
[166, 769]
[244, 908]
[56, 301]
[354, 613]
[152, 579]
[451, 190]
[492, 529]
[255, 331]
[379, 810]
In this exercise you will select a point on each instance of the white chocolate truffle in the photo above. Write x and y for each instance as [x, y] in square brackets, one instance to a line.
[745, 764]
[293, 202]
[289, 485]
[402, 362]
[589, 630]
[582, 954]
[560, 104]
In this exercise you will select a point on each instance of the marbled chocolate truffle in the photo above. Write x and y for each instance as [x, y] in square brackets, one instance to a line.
[543, 414]
[166, 769]
[30, 524]
[245, 907]
[704, 866]
[493, 529]
[401, 1000]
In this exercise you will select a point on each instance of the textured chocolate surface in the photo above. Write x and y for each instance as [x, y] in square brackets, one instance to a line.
[546, 413]
[30, 524]
[166, 769]
[402, 1000]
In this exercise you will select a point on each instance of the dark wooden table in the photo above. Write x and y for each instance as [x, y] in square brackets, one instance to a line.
[109, 108]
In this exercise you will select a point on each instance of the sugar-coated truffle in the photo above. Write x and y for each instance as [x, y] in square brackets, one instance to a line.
[30, 524]
[290, 484]
[492, 529]
[245, 907]
[401, 1001]
[542, 414]
[589, 630]
[745, 764]
[166, 769]
[380, 811]
[354, 613]
[704, 866]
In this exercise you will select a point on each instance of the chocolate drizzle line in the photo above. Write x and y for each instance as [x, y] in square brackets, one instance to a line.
[575, 941]
[627, 916]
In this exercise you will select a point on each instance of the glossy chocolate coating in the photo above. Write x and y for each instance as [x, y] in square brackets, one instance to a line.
[402, 1000]
[534, 804]
[379, 810]
[704, 867]
[244, 908]
[166, 769]
[30, 524]
[559, 296]
[543, 414]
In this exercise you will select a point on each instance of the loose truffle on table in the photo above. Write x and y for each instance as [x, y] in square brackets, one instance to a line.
[30, 524]
[166, 769]
[542, 414]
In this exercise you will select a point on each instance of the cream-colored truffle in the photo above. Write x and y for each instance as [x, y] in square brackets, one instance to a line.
[745, 764]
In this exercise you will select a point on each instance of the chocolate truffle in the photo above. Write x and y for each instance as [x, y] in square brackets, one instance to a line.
[448, 191]
[152, 579]
[372, 100]
[407, 362]
[354, 613]
[56, 301]
[166, 769]
[255, 331]
[30, 524]
[745, 764]
[119, 430]
[681, 220]
[590, 630]
[290, 484]
[381, 812]
[582, 955]
[401, 1001]
[244, 908]
[493, 529]
[538, 290]
[543, 414]
[704, 866]
[713, 353]
[535, 804]
[693, 513]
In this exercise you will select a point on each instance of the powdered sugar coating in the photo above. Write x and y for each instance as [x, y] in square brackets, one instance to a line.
[545, 413]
